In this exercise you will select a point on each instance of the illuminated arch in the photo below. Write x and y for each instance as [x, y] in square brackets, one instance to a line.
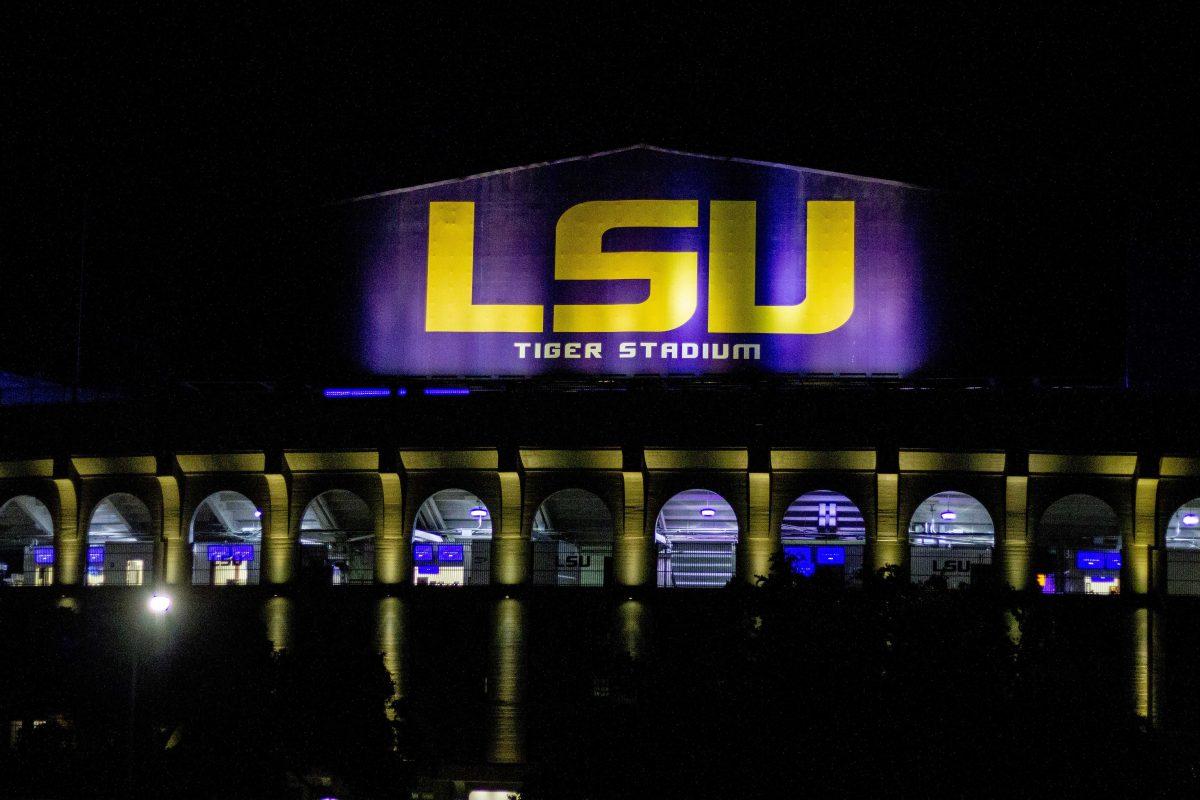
[696, 535]
[226, 541]
[573, 540]
[120, 541]
[26, 542]
[1183, 549]
[337, 539]
[823, 532]
[951, 535]
[1079, 547]
[452, 540]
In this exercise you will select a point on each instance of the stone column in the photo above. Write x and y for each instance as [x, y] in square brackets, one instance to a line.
[1136, 549]
[393, 551]
[278, 546]
[1015, 546]
[760, 540]
[173, 567]
[510, 547]
[633, 552]
[70, 536]
[890, 545]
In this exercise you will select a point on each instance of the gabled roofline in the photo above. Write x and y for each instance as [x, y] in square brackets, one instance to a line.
[603, 153]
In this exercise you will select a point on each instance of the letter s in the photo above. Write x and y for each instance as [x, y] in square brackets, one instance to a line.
[672, 275]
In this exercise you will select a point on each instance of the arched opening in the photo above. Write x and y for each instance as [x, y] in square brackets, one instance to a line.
[696, 535]
[26, 542]
[572, 540]
[337, 539]
[1183, 549]
[452, 540]
[1079, 547]
[951, 535]
[226, 537]
[120, 541]
[824, 534]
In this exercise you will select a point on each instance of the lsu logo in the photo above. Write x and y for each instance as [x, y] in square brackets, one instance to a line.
[673, 276]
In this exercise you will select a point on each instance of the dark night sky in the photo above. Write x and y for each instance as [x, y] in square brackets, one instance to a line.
[182, 135]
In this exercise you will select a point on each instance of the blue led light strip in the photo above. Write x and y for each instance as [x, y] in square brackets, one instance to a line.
[446, 390]
[365, 392]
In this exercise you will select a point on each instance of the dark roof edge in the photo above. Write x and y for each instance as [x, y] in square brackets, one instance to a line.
[603, 153]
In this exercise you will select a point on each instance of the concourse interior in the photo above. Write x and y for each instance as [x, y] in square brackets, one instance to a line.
[1078, 547]
[226, 535]
[951, 535]
[120, 542]
[452, 540]
[1183, 549]
[26, 542]
[337, 540]
[573, 540]
[696, 537]
[824, 533]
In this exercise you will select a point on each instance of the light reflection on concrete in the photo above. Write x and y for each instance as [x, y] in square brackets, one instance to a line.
[391, 640]
[633, 628]
[279, 614]
[1146, 661]
[506, 682]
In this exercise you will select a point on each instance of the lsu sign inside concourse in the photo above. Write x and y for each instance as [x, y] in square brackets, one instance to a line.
[646, 261]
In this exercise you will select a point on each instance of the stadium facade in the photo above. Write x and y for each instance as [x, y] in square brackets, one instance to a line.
[1096, 523]
[632, 374]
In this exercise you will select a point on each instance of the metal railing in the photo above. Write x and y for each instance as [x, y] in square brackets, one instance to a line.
[689, 565]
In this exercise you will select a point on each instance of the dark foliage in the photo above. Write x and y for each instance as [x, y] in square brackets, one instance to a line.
[218, 713]
[900, 690]
[795, 686]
